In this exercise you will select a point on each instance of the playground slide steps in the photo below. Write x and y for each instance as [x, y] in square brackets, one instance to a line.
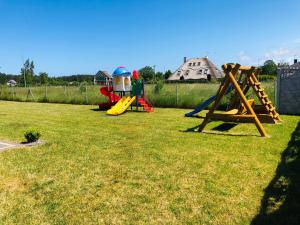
[145, 105]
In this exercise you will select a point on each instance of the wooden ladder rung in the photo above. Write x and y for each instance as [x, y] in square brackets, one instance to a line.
[268, 102]
[271, 109]
[257, 83]
[276, 115]
[264, 96]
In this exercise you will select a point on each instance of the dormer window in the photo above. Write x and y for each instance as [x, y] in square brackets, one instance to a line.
[199, 71]
[199, 63]
[190, 64]
[205, 71]
[194, 64]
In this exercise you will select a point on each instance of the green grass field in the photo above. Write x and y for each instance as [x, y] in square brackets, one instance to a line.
[142, 168]
[181, 95]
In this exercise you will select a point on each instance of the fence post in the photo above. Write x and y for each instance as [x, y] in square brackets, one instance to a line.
[86, 97]
[277, 91]
[29, 93]
[46, 93]
[65, 92]
[176, 94]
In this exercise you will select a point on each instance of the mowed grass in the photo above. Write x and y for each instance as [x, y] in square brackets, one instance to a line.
[137, 168]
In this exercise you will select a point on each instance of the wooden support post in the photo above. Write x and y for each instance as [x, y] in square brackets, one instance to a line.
[220, 94]
[247, 105]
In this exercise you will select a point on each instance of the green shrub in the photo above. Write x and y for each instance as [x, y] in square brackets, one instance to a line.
[82, 87]
[158, 86]
[32, 135]
[266, 77]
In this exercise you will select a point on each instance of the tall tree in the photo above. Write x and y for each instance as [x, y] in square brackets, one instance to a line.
[147, 73]
[43, 78]
[167, 74]
[159, 76]
[27, 72]
[269, 68]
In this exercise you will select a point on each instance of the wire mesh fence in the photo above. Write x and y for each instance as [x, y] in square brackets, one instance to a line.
[173, 95]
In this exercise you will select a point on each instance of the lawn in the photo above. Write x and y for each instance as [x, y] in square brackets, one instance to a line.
[140, 168]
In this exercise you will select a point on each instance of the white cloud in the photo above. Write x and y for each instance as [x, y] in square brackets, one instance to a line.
[243, 56]
[278, 53]
[283, 54]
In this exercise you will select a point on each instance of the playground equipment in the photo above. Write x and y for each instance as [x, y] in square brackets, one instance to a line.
[121, 106]
[124, 92]
[104, 78]
[206, 103]
[241, 109]
[112, 98]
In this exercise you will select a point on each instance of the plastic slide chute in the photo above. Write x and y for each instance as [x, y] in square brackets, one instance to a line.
[121, 106]
[107, 91]
[206, 103]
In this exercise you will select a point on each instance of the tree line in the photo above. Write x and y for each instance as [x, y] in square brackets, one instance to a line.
[28, 77]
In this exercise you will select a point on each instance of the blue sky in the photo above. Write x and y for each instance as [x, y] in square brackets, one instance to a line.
[71, 36]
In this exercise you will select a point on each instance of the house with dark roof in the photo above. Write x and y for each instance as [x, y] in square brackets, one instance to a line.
[197, 69]
[102, 77]
[296, 64]
[11, 83]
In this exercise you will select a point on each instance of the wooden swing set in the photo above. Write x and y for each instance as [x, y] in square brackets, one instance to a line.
[241, 109]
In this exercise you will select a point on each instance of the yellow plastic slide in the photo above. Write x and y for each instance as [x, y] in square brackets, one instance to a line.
[121, 106]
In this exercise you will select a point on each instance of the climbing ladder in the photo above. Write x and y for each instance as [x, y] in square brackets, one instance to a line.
[145, 105]
[263, 97]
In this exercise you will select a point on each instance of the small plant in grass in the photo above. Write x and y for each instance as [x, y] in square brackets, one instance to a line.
[32, 135]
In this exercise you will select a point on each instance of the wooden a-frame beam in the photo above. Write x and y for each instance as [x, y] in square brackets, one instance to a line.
[230, 77]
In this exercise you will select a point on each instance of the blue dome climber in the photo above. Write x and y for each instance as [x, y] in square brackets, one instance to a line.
[121, 71]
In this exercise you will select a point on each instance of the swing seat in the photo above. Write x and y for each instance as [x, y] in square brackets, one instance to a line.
[231, 112]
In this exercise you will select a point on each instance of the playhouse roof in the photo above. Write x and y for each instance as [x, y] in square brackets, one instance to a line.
[121, 71]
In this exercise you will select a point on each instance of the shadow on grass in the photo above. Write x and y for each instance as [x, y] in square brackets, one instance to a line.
[225, 126]
[281, 202]
[192, 129]
[196, 116]
[220, 130]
